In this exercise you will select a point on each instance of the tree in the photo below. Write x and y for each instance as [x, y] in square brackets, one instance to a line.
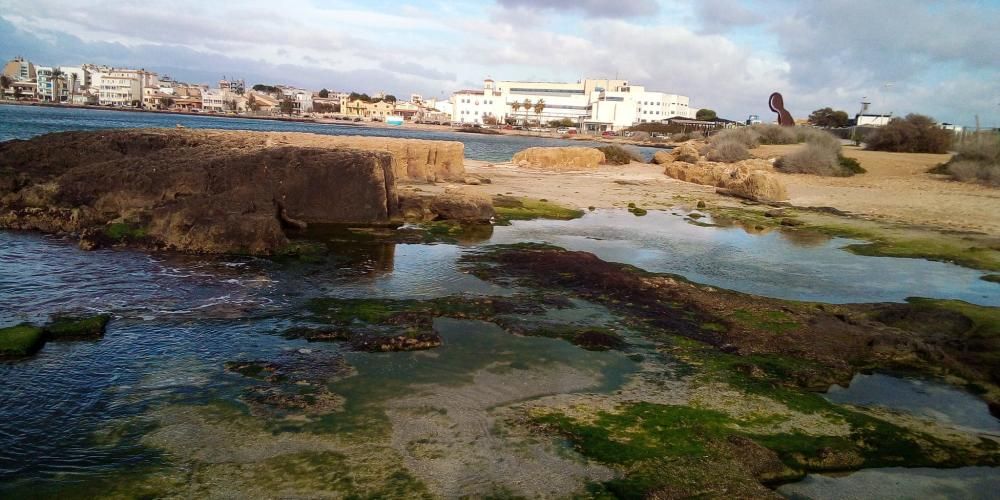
[360, 97]
[232, 105]
[827, 117]
[539, 107]
[515, 106]
[167, 102]
[913, 134]
[705, 114]
[5, 83]
[389, 98]
[17, 93]
[527, 107]
[287, 106]
[56, 78]
[252, 103]
[323, 94]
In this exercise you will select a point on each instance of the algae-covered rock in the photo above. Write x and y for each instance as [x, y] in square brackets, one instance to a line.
[70, 327]
[560, 158]
[200, 191]
[21, 340]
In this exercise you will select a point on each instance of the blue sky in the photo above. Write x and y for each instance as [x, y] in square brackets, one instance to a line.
[936, 58]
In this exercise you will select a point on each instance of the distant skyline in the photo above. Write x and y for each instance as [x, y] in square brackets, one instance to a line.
[935, 58]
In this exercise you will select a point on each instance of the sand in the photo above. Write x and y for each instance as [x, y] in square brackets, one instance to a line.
[897, 189]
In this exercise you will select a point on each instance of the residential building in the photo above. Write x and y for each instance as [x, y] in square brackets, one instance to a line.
[262, 103]
[222, 101]
[50, 88]
[302, 100]
[20, 69]
[594, 105]
[371, 110]
[234, 86]
[77, 79]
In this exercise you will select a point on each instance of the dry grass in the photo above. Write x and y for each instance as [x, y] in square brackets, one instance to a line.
[977, 160]
[727, 151]
[809, 159]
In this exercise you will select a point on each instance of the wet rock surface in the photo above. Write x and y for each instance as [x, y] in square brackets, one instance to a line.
[295, 382]
[209, 191]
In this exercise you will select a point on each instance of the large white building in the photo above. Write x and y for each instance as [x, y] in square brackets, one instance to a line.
[122, 87]
[593, 105]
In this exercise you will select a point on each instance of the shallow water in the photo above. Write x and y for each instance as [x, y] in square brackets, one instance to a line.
[896, 482]
[178, 319]
[787, 265]
[922, 398]
[25, 122]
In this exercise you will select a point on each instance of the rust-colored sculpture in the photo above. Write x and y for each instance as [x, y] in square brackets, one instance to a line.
[777, 104]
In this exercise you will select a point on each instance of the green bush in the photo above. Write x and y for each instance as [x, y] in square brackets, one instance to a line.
[913, 134]
[617, 155]
[809, 159]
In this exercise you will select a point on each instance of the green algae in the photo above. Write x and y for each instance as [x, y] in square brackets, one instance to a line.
[992, 278]
[125, 232]
[510, 208]
[72, 327]
[589, 338]
[774, 321]
[21, 340]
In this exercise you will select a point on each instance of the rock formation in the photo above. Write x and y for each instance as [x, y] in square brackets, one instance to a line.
[752, 179]
[564, 158]
[205, 191]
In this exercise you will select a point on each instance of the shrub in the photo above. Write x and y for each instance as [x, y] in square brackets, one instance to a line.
[850, 165]
[746, 136]
[977, 160]
[818, 137]
[775, 134]
[810, 159]
[913, 134]
[617, 155]
[727, 150]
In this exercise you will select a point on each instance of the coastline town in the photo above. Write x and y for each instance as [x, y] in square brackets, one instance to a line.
[590, 106]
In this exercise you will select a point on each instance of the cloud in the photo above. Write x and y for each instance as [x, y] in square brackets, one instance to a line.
[724, 54]
[411, 68]
[720, 16]
[590, 8]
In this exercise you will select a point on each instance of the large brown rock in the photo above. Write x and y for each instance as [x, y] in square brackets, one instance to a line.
[198, 191]
[750, 179]
[685, 152]
[565, 158]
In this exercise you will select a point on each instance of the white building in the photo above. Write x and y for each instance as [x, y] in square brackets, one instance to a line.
[872, 120]
[49, 88]
[593, 105]
[122, 87]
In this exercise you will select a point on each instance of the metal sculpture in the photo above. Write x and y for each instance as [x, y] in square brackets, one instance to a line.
[777, 104]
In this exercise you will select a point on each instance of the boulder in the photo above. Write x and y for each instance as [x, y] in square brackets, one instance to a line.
[685, 152]
[747, 180]
[561, 158]
[193, 191]
[454, 205]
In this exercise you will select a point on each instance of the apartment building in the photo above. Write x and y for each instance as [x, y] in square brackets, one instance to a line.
[49, 88]
[122, 87]
[20, 69]
[594, 105]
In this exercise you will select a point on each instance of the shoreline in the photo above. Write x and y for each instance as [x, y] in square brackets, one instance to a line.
[345, 123]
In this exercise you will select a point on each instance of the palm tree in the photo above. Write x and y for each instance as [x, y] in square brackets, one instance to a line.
[527, 106]
[5, 83]
[515, 106]
[55, 77]
[539, 107]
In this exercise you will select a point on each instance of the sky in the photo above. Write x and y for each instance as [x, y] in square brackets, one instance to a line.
[904, 56]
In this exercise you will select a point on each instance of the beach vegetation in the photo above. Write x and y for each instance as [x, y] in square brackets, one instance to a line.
[727, 151]
[976, 160]
[617, 155]
[827, 117]
[912, 134]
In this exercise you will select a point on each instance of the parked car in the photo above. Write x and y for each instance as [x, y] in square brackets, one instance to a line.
[562, 130]
[357, 119]
[607, 133]
[572, 131]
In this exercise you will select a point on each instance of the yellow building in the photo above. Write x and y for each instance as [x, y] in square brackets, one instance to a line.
[377, 110]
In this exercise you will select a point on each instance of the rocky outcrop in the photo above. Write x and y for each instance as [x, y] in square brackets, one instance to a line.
[414, 159]
[453, 204]
[749, 179]
[567, 158]
[197, 191]
[685, 152]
